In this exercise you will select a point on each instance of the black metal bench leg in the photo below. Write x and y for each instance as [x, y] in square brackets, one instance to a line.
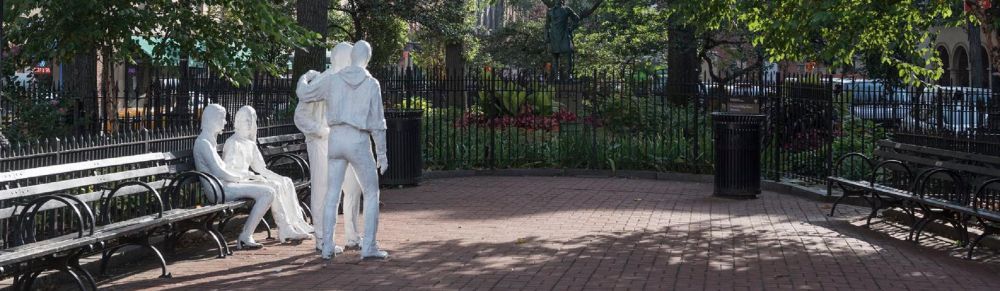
[214, 229]
[74, 264]
[306, 211]
[220, 241]
[106, 258]
[26, 281]
[915, 227]
[263, 222]
[963, 235]
[267, 227]
[987, 231]
[76, 277]
[836, 202]
[876, 204]
[163, 262]
[920, 229]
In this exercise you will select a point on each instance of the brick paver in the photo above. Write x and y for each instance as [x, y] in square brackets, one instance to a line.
[503, 233]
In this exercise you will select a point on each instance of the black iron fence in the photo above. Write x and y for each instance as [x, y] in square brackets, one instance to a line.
[627, 119]
[636, 120]
[149, 101]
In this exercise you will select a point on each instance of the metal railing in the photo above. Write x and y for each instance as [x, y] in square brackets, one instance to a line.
[626, 119]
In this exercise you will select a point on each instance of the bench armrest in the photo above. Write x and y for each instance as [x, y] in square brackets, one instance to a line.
[958, 183]
[840, 161]
[884, 164]
[106, 201]
[218, 191]
[981, 192]
[24, 234]
[85, 210]
[302, 164]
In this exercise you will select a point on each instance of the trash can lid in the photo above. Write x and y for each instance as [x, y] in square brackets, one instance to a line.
[403, 113]
[736, 116]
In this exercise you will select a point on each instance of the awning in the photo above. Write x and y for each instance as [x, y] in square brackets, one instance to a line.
[172, 56]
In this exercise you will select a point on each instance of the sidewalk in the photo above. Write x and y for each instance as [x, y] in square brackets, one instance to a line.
[506, 233]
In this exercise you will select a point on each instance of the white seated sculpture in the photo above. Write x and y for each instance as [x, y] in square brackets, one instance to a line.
[236, 185]
[310, 118]
[356, 117]
[241, 154]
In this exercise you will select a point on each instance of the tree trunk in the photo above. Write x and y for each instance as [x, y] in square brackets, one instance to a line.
[311, 14]
[80, 83]
[683, 67]
[454, 64]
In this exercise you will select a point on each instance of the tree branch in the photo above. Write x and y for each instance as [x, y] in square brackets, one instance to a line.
[350, 35]
[587, 13]
[352, 12]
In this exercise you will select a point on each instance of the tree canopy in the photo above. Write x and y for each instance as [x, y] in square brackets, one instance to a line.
[233, 37]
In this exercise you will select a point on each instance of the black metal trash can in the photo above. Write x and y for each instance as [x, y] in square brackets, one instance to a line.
[402, 137]
[738, 138]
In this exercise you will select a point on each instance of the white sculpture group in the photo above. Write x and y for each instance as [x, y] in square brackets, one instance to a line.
[340, 112]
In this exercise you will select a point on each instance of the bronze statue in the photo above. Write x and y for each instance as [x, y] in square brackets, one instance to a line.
[560, 22]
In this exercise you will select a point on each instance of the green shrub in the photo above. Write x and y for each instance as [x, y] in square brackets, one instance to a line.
[500, 97]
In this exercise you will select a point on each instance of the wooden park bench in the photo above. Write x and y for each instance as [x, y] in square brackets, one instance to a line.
[53, 215]
[957, 187]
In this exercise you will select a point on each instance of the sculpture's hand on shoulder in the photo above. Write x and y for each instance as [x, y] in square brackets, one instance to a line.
[309, 76]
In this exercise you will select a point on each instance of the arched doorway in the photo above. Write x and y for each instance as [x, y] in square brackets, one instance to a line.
[961, 72]
[945, 79]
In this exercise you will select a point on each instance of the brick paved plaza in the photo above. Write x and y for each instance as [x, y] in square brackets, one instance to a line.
[508, 233]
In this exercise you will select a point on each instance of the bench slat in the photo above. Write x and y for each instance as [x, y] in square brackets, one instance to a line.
[81, 166]
[280, 138]
[104, 233]
[89, 197]
[268, 151]
[936, 163]
[940, 152]
[82, 182]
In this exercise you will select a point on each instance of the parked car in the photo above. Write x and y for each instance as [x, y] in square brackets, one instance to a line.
[959, 109]
[873, 100]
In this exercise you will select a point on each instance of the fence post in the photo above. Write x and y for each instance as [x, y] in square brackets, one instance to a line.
[831, 117]
[776, 142]
[490, 148]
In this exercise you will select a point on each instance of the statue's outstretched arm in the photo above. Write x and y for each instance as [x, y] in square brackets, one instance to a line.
[312, 86]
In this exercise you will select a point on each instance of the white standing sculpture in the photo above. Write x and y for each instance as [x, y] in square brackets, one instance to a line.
[310, 118]
[356, 117]
[236, 186]
[241, 154]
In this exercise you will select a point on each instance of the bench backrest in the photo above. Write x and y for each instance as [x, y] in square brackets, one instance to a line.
[85, 168]
[287, 145]
[972, 170]
[88, 182]
[280, 144]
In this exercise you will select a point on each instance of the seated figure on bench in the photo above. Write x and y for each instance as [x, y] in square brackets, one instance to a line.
[240, 153]
[207, 159]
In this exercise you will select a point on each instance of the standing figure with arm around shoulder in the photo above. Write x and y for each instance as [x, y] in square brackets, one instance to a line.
[356, 117]
[310, 117]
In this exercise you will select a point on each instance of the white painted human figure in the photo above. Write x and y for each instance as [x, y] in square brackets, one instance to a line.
[356, 117]
[310, 118]
[240, 153]
[236, 186]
